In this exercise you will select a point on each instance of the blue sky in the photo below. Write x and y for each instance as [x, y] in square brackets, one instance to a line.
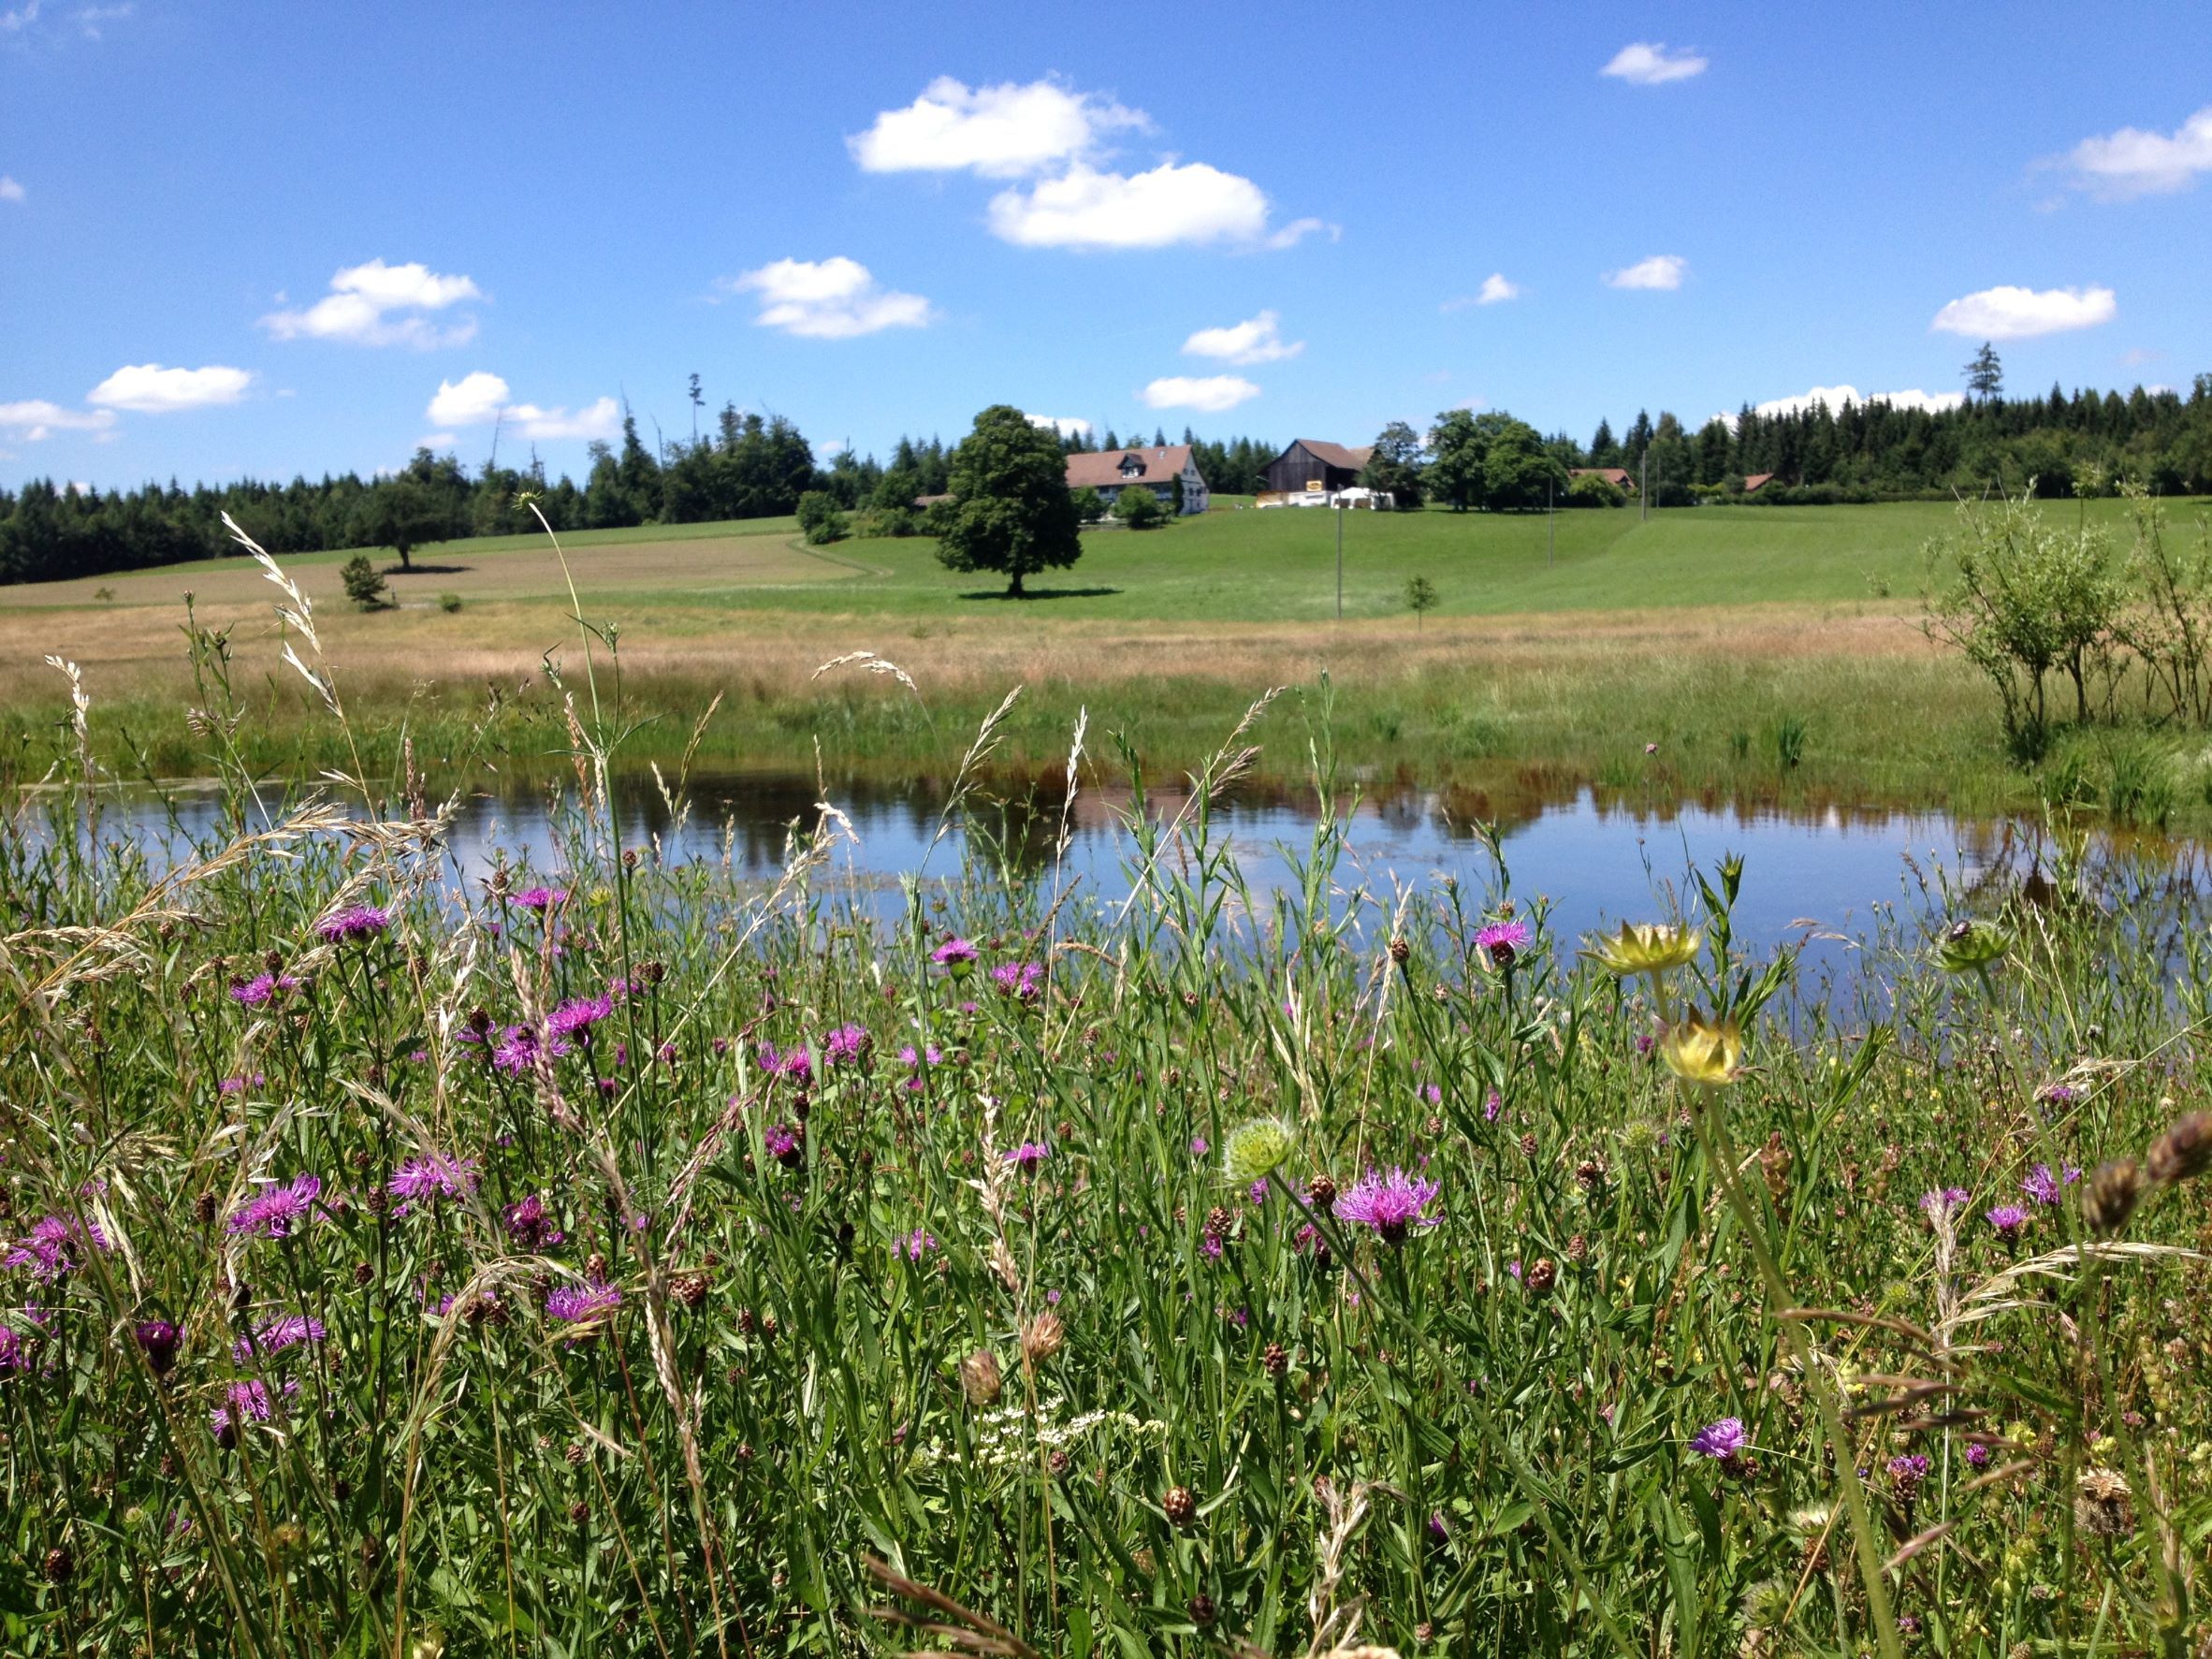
[244, 239]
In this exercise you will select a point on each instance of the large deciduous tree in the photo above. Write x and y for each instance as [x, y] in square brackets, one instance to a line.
[1395, 467]
[1011, 512]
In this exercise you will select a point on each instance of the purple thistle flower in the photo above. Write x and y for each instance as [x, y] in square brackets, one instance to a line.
[580, 1304]
[1722, 1440]
[916, 1244]
[955, 955]
[15, 1354]
[1503, 941]
[359, 923]
[237, 1086]
[1492, 1106]
[277, 1212]
[274, 1336]
[1906, 1473]
[1392, 1205]
[577, 1015]
[518, 1049]
[542, 898]
[158, 1339]
[261, 989]
[246, 1402]
[845, 1045]
[1258, 1192]
[2009, 1220]
[1978, 1455]
[1028, 1156]
[797, 1065]
[1198, 1146]
[531, 1224]
[783, 1144]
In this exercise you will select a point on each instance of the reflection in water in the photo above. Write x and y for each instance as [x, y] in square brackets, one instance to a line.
[1595, 859]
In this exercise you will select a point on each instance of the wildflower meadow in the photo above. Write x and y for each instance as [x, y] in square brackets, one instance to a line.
[599, 1255]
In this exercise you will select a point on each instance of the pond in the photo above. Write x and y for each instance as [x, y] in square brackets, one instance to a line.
[1831, 878]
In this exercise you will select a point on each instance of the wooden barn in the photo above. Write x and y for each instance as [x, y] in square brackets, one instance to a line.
[1313, 466]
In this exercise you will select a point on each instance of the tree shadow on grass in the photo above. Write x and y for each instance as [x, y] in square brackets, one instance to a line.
[1044, 594]
[420, 569]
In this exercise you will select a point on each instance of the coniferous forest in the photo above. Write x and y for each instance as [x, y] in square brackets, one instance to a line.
[754, 466]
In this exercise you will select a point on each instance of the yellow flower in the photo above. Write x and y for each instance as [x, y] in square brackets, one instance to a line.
[1645, 947]
[1703, 1050]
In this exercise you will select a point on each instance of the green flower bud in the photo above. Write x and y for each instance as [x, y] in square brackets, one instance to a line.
[1255, 1148]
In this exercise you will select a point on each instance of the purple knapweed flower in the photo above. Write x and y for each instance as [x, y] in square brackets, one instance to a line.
[1503, 941]
[916, 1244]
[1492, 1106]
[1198, 1146]
[277, 1212]
[275, 1336]
[360, 922]
[529, 1223]
[1942, 1200]
[519, 1049]
[1978, 1455]
[2009, 1220]
[580, 1304]
[577, 1015]
[2044, 1186]
[1028, 1156]
[783, 1144]
[1906, 1473]
[15, 1354]
[158, 1339]
[262, 988]
[237, 1086]
[433, 1178]
[955, 955]
[542, 898]
[245, 1402]
[56, 1247]
[845, 1045]
[1022, 980]
[1722, 1440]
[1392, 1205]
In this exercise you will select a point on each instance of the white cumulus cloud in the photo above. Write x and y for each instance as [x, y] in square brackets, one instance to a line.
[9, 189]
[2008, 313]
[1173, 203]
[1835, 397]
[148, 389]
[2132, 162]
[1209, 393]
[1065, 425]
[1001, 132]
[1661, 270]
[1495, 290]
[834, 299]
[36, 419]
[380, 304]
[479, 398]
[471, 401]
[1257, 340]
[1649, 62]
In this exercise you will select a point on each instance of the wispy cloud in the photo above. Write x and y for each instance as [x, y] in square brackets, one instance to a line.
[148, 389]
[9, 189]
[835, 299]
[2007, 313]
[480, 397]
[1495, 290]
[1257, 340]
[1208, 393]
[1651, 63]
[1660, 271]
[380, 304]
[35, 419]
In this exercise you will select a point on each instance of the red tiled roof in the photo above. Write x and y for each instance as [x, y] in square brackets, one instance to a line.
[1617, 476]
[1101, 469]
[1756, 479]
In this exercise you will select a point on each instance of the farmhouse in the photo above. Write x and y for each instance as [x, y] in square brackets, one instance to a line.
[1155, 467]
[1619, 477]
[1313, 467]
[1756, 482]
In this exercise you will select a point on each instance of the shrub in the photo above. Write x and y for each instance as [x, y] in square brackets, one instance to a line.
[364, 583]
[1090, 506]
[822, 519]
[449, 603]
[1139, 508]
[1590, 490]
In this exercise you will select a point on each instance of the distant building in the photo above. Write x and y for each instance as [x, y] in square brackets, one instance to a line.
[1756, 481]
[1617, 476]
[1153, 466]
[1312, 466]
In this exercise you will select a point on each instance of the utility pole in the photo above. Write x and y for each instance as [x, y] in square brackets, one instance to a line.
[1550, 527]
[1340, 561]
[1644, 489]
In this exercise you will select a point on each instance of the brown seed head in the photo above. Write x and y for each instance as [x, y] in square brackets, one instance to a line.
[2101, 1504]
[2111, 1196]
[2184, 1152]
[1320, 1192]
[1400, 950]
[1274, 1361]
[59, 1567]
[1542, 1275]
[1042, 1337]
[1200, 1608]
[1181, 1505]
[979, 1378]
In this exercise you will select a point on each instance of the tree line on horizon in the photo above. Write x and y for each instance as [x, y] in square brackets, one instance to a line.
[748, 466]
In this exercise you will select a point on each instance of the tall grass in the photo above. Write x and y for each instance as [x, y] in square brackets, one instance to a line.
[603, 1260]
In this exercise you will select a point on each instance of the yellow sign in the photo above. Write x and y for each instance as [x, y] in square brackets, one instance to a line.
[1313, 487]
